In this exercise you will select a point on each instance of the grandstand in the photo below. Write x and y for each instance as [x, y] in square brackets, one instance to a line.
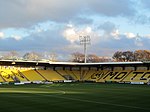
[115, 72]
[45, 86]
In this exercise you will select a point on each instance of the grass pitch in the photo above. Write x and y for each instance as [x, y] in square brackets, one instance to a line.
[75, 97]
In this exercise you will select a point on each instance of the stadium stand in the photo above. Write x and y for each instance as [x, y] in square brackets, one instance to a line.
[64, 74]
[77, 73]
[19, 75]
[107, 73]
[138, 76]
[112, 76]
[14, 75]
[72, 74]
[31, 75]
[91, 75]
[1, 79]
[51, 75]
[6, 75]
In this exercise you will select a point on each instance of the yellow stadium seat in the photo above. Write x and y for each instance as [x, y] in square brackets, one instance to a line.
[32, 75]
[51, 75]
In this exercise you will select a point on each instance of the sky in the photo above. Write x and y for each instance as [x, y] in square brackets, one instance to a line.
[56, 25]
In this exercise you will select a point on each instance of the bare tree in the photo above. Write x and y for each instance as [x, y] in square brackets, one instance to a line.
[138, 55]
[142, 55]
[53, 57]
[50, 56]
[124, 56]
[77, 57]
[93, 58]
[32, 56]
[12, 55]
[128, 56]
[118, 56]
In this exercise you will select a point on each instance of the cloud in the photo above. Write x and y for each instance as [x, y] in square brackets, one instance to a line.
[145, 4]
[72, 34]
[16, 37]
[43, 41]
[82, 20]
[110, 30]
[24, 13]
[1, 35]
[52, 40]
[123, 43]
[148, 36]
[138, 42]
[115, 34]
[113, 7]
[142, 15]
[141, 19]
[130, 35]
[54, 25]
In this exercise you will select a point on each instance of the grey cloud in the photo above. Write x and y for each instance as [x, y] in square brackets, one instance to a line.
[52, 41]
[113, 7]
[124, 43]
[140, 19]
[107, 26]
[145, 3]
[111, 45]
[22, 13]
[141, 16]
[46, 41]
[82, 20]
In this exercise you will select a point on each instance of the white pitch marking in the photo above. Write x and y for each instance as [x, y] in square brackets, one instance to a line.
[104, 103]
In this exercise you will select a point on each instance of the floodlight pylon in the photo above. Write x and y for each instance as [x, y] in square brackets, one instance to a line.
[85, 40]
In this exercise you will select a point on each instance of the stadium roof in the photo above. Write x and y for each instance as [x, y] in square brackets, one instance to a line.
[49, 63]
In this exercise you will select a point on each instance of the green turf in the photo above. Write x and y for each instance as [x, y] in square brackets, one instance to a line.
[75, 97]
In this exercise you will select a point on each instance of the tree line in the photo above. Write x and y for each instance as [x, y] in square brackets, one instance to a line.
[118, 56]
[29, 56]
[93, 58]
[138, 55]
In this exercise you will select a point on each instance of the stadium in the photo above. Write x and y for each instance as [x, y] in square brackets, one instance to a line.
[66, 86]
[40, 72]
[74, 56]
